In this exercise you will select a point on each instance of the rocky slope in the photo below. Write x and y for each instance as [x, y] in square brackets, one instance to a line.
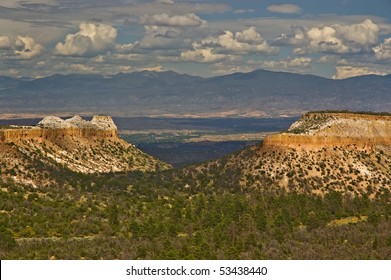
[27, 153]
[346, 152]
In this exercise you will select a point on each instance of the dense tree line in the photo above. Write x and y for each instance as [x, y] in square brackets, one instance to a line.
[160, 216]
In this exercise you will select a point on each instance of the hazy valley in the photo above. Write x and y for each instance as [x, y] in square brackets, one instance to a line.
[255, 94]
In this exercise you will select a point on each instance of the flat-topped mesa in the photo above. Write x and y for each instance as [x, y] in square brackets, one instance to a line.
[324, 129]
[79, 145]
[52, 127]
[97, 122]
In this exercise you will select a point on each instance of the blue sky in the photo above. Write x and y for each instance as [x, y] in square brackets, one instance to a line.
[334, 38]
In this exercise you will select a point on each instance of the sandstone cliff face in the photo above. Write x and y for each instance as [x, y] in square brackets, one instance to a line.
[348, 153]
[54, 128]
[316, 130]
[80, 145]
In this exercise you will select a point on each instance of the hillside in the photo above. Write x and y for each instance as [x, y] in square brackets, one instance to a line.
[28, 153]
[256, 94]
[321, 152]
[239, 207]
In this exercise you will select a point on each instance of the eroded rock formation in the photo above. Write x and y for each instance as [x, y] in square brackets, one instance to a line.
[322, 152]
[317, 130]
[54, 128]
[80, 145]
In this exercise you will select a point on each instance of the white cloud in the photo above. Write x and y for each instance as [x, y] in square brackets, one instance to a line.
[130, 57]
[125, 48]
[82, 68]
[165, 1]
[5, 42]
[247, 41]
[228, 46]
[202, 55]
[328, 59]
[285, 9]
[244, 11]
[164, 19]
[297, 62]
[383, 51]
[303, 62]
[159, 38]
[336, 38]
[26, 48]
[361, 35]
[99, 59]
[249, 36]
[343, 72]
[91, 39]
[65, 67]
[155, 68]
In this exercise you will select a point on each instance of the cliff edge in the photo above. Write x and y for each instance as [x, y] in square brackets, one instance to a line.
[322, 152]
[74, 143]
[54, 128]
[323, 129]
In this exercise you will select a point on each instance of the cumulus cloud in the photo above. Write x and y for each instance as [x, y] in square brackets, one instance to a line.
[157, 37]
[285, 9]
[303, 62]
[202, 55]
[124, 48]
[5, 42]
[228, 45]
[164, 19]
[337, 39]
[383, 51]
[26, 48]
[343, 72]
[245, 42]
[91, 39]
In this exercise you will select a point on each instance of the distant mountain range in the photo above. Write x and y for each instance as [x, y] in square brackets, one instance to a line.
[256, 94]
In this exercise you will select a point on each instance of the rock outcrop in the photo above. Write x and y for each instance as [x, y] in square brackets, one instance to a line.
[322, 152]
[54, 128]
[80, 145]
[97, 123]
[316, 130]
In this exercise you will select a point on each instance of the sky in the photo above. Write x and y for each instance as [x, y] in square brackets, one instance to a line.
[334, 38]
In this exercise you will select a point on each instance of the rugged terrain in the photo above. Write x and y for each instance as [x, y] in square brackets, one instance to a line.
[345, 152]
[28, 153]
[237, 207]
